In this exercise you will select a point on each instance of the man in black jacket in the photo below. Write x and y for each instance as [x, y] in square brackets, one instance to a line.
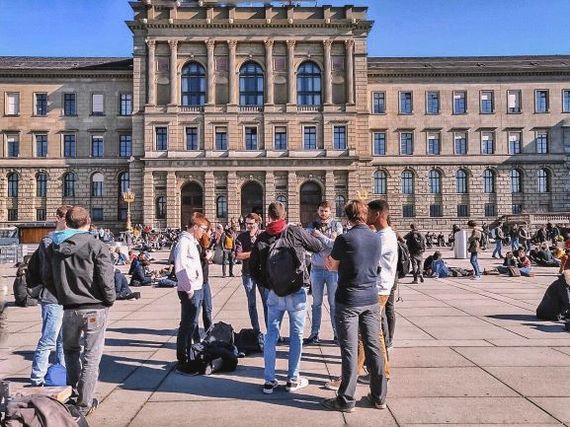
[416, 244]
[295, 303]
[82, 279]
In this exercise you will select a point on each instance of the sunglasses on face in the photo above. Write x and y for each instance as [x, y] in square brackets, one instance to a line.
[250, 223]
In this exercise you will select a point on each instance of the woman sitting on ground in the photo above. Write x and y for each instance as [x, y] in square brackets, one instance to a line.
[524, 263]
[509, 261]
[438, 267]
[137, 270]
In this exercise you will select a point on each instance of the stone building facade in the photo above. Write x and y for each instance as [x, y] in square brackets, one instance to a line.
[223, 109]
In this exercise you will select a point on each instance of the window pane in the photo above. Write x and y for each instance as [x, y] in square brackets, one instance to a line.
[406, 143]
[459, 103]
[125, 146]
[97, 146]
[379, 103]
[310, 138]
[69, 146]
[192, 142]
[98, 107]
[309, 84]
[280, 138]
[41, 104]
[69, 104]
[161, 138]
[433, 144]
[406, 103]
[339, 137]
[432, 106]
[380, 182]
[41, 145]
[460, 140]
[221, 138]
[379, 143]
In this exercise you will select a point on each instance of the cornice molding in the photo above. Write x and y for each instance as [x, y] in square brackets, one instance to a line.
[362, 25]
[506, 73]
[64, 74]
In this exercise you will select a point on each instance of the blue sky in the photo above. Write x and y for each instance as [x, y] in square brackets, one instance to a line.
[402, 28]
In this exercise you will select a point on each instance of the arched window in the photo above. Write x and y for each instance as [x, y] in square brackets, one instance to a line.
[193, 84]
[251, 84]
[221, 207]
[124, 183]
[339, 202]
[69, 185]
[41, 184]
[161, 207]
[434, 181]
[461, 181]
[282, 199]
[97, 181]
[488, 181]
[309, 84]
[543, 181]
[380, 182]
[13, 181]
[407, 182]
[516, 183]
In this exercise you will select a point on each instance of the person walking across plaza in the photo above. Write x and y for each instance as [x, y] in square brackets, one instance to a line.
[52, 313]
[499, 237]
[355, 256]
[277, 262]
[474, 247]
[326, 229]
[244, 245]
[82, 279]
[416, 244]
[228, 244]
[188, 269]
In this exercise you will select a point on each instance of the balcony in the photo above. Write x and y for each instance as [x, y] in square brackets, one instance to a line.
[308, 108]
[191, 109]
[250, 108]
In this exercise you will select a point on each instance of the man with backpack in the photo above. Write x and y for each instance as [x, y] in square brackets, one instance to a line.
[499, 236]
[416, 245]
[326, 229]
[277, 262]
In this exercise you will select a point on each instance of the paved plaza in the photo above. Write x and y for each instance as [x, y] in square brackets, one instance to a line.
[465, 352]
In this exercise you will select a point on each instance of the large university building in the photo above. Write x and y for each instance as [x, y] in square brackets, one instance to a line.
[226, 108]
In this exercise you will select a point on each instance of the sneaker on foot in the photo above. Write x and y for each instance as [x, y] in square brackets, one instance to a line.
[296, 384]
[333, 384]
[422, 279]
[334, 405]
[313, 339]
[376, 404]
[364, 379]
[269, 386]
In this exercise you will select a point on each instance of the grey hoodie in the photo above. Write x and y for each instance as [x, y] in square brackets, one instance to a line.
[82, 272]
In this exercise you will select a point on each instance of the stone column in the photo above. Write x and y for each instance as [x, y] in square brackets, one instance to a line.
[148, 198]
[172, 196]
[349, 71]
[173, 72]
[269, 191]
[151, 67]
[233, 198]
[329, 188]
[327, 44]
[291, 68]
[209, 196]
[292, 198]
[269, 71]
[211, 44]
[232, 73]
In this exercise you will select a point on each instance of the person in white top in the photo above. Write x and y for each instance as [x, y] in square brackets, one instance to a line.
[189, 275]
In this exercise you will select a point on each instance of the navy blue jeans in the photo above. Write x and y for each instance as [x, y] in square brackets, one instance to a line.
[189, 313]
[250, 290]
[206, 310]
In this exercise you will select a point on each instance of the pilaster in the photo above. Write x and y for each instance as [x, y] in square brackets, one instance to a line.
[292, 198]
[173, 72]
[151, 44]
[209, 195]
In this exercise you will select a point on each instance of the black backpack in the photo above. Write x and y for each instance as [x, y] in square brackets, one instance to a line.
[248, 341]
[284, 272]
[404, 260]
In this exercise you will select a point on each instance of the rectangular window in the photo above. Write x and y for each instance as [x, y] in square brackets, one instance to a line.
[97, 146]
[97, 104]
[12, 103]
[221, 138]
[542, 141]
[434, 146]
[515, 142]
[435, 211]
[487, 143]
[13, 145]
[41, 101]
[487, 104]
[125, 146]
[462, 210]
[406, 103]
[97, 214]
[280, 138]
[408, 211]
[459, 102]
[566, 101]
[513, 101]
[490, 209]
[460, 142]
[310, 137]
[69, 104]
[192, 142]
[379, 102]
[406, 143]
[432, 102]
[517, 209]
[379, 148]
[541, 101]
[339, 137]
[566, 139]
[161, 138]
[41, 145]
[12, 214]
[251, 138]
[122, 213]
[40, 214]
[126, 104]
[69, 147]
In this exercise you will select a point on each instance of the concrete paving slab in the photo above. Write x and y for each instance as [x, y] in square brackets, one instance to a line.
[515, 356]
[426, 357]
[558, 407]
[535, 381]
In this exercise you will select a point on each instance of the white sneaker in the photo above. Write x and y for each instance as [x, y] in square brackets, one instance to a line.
[294, 385]
[268, 387]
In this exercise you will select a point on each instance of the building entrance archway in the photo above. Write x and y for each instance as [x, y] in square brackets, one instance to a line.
[252, 198]
[192, 200]
[311, 195]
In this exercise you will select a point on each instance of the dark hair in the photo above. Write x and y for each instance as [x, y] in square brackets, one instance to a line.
[77, 217]
[254, 216]
[276, 210]
[471, 223]
[356, 211]
[198, 218]
[413, 226]
[325, 204]
[62, 210]
[378, 205]
[437, 255]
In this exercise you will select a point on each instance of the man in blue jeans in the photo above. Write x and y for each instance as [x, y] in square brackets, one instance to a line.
[297, 240]
[326, 229]
[52, 312]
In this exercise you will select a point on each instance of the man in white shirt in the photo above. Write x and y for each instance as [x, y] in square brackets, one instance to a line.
[189, 274]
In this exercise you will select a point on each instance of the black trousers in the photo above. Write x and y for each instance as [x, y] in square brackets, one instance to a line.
[189, 313]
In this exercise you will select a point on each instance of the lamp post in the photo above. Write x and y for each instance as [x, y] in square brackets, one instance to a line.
[129, 197]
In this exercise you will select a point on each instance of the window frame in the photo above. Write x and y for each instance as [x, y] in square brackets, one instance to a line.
[275, 139]
[97, 187]
[407, 184]
[547, 101]
[42, 151]
[97, 113]
[13, 184]
[160, 204]
[222, 206]
[216, 133]
[12, 140]
[97, 214]
[453, 105]
[430, 144]
[380, 182]
[383, 151]
[542, 144]
[544, 182]
[245, 79]
[65, 140]
[312, 97]
[510, 141]
[336, 127]
[518, 98]
[461, 182]
[37, 112]
[304, 129]
[156, 138]
[69, 181]
[408, 210]
[383, 104]
[516, 177]
[485, 143]
[100, 153]
[492, 101]
[489, 181]
[438, 97]
[464, 143]
[125, 153]
[17, 104]
[125, 104]
[247, 144]
[435, 210]
[190, 97]
[41, 184]
[434, 181]
[565, 100]
[460, 208]
[411, 143]
[411, 102]
[64, 104]
[196, 135]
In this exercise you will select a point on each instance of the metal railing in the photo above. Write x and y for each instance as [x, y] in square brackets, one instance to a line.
[11, 254]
